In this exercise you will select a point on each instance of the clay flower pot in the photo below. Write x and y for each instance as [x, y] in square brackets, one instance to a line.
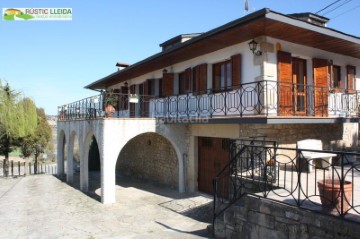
[331, 195]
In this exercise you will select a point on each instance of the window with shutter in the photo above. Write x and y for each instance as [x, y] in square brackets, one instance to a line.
[336, 77]
[181, 79]
[199, 78]
[285, 89]
[188, 80]
[222, 76]
[168, 84]
[321, 91]
[236, 70]
[351, 78]
[151, 87]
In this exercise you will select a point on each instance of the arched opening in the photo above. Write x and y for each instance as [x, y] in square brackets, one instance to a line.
[94, 168]
[151, 158]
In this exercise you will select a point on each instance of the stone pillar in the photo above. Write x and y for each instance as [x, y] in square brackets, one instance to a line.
[60, 154]
[108, 179]
[84, 167]
[192, 165]
[70, 161]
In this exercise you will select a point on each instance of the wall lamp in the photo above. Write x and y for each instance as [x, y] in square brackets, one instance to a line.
[253, 46]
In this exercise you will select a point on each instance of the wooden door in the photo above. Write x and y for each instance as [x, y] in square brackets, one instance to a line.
[213, 156]
[321, 91]
[285, 87]
[299, 80]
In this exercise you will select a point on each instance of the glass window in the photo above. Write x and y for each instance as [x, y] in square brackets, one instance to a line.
[336, 77]
[222, 76]
[182, 89]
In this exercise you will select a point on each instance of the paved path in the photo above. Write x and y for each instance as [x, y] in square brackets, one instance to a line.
[42, 206]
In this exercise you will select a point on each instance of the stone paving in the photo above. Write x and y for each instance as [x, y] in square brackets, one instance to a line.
[43, 206]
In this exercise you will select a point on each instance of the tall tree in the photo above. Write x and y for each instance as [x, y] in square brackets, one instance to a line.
[12, 120]
[30, 124]
[42, 135]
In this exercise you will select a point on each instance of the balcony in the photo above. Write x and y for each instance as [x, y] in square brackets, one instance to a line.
[262, 99]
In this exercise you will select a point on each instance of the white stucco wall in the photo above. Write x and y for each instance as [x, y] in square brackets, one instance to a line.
[256, 68]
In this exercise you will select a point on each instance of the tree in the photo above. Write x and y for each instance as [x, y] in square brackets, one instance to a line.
[30, 123]
[12, 121]
[42, 135]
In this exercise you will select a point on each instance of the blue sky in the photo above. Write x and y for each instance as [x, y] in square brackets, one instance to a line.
[52, 61]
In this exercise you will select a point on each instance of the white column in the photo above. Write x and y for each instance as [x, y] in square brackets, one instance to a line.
[60, 155]
[70, 161]
[108, 179]
[84, 168]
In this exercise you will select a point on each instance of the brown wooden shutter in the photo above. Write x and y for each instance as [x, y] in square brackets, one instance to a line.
[351, 78]
[199, 78]
[168, 84]
[188, 80]
[203, 78]
[236, 70]
[195, 79]
[321, 79]
[286, 99]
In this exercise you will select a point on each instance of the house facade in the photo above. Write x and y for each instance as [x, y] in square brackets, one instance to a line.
[267, 75]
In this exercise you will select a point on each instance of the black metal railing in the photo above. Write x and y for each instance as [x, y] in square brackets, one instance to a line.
[96, 107]
[265, 170]
[256, 98]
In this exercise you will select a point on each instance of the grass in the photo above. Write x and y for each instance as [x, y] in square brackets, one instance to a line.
[8, 17]
[16, 152]
[25, 16]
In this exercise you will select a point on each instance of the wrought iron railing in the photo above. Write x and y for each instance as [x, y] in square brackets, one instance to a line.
[265, 170]
[96, 107]
[249, 99]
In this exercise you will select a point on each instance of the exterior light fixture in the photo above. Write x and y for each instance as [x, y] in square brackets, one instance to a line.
[126, 84]
[78, 110]
[165, 71]
[253, 46]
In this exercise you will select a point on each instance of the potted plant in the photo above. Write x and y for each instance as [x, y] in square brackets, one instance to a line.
[332, 197]
[110, 104]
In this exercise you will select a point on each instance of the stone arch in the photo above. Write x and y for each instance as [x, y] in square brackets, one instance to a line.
[84, 159]
[151, 156]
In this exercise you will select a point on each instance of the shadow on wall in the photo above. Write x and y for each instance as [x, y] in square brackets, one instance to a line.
[149, 157]
[94, 156]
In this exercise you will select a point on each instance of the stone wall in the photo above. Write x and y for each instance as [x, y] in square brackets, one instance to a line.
[288, 134]
[333, 136]
[150, 157]
[253, 218]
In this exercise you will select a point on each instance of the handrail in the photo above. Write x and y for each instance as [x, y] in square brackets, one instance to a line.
[265, 98]
[260, 171]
